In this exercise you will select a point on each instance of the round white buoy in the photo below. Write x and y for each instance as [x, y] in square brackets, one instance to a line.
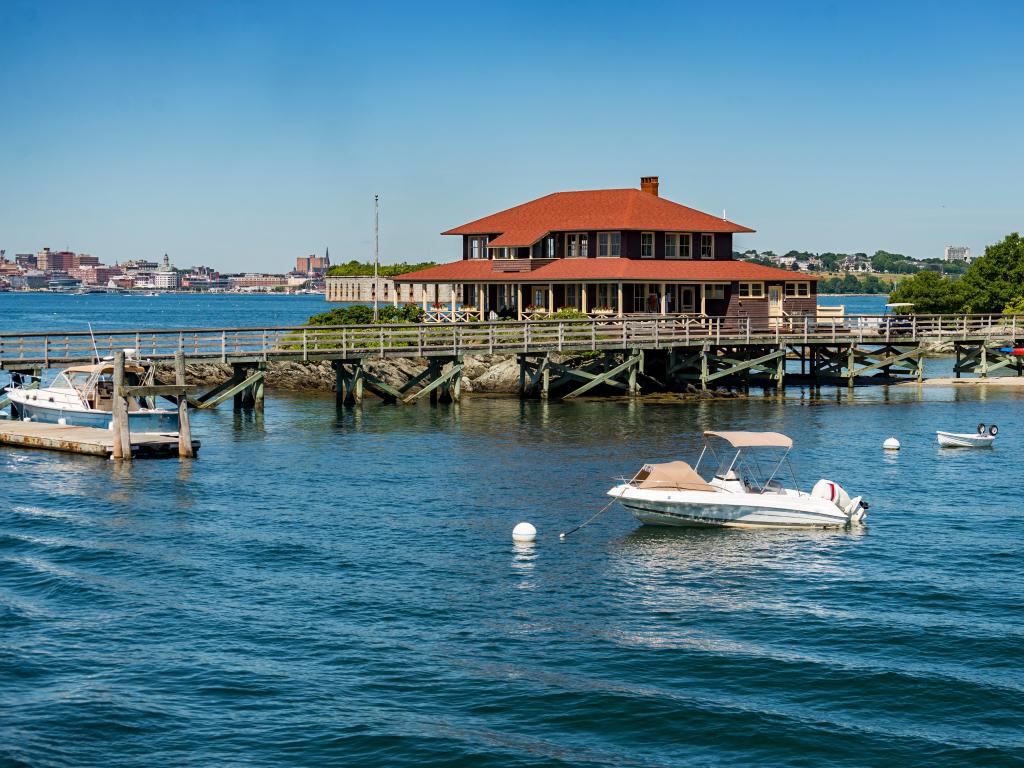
[524, 532]
[891, 444]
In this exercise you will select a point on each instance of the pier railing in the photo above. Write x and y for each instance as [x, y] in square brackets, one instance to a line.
[48, 349]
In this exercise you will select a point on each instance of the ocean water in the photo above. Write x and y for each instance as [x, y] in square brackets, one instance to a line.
[329, 586]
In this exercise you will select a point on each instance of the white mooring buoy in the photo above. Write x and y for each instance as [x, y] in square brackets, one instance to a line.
[524, 532]
[891, 444]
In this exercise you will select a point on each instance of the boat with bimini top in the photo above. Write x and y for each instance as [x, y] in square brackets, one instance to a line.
[739, 494]
[83, 396]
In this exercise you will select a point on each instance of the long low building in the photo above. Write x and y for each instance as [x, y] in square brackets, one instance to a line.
[612, 251]
[360, 290]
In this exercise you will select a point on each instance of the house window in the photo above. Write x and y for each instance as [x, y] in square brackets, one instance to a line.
[714, 292]
[609, 244]
[571, 295]
[707, 246]
[646, 245]
[549, 247]
[576, 245]
[751, 290]
[478, 247]
[798, 290]
[677, 246]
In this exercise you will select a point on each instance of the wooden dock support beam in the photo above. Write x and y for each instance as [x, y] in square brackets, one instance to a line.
[184, 429]
[122, 448]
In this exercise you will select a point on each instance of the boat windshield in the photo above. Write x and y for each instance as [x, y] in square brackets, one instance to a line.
[71, 380]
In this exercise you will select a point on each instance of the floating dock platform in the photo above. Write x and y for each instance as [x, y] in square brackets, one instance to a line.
[87, 440]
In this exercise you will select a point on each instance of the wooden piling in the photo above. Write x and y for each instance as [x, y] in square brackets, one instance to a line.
[184, 429]
[119, 413]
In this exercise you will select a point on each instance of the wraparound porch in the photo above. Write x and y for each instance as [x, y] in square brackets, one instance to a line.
[526, 300]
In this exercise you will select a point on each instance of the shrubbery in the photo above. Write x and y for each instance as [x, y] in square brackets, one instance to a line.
[361, 314]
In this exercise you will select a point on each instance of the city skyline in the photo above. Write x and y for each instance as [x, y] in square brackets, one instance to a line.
[244, 136]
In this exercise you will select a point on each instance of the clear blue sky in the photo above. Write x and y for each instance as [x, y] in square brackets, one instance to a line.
[244, 134]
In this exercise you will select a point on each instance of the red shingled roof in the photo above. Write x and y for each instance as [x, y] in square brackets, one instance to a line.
[599, 209]
[611, 270]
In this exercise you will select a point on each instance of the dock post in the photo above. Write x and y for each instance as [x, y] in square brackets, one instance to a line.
[119, 413]
[257, 388]
[355, 385]
[238, 376]
[704, 351]
[522, 376]
[983, 368]
[634, 390]
[455, 390]
[851, 362]
[545, 383]
[780, 371]
[184, 430]
[339, 381]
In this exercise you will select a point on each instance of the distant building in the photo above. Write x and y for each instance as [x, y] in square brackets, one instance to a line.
[313, 265]
[25, 260]
[360, 290]
[55, 261]
[253, 281]
[94, 274]
[85, 260]
[167, 280]
[958, 253]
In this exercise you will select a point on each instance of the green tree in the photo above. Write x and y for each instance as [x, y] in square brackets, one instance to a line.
[997, 278]
[930, 293]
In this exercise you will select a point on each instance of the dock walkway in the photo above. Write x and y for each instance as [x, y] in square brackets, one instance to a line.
[86, 440]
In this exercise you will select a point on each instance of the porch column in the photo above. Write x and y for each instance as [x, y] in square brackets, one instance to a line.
[423, 289]
[664, 300]
[620, 299]
[481, 292]
[583, 297]
[519, 300]
[551, 297]
[703, 300]
[453, 302]
[394, 294]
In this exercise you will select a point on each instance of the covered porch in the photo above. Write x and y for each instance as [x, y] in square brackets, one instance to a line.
[528, 299]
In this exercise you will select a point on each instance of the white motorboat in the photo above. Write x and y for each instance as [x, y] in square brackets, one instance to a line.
[738, 495]
[983, 438]
[83, 396]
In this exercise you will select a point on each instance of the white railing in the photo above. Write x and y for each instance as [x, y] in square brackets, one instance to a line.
[417, 340]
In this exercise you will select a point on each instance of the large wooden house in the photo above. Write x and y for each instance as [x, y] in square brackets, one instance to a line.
[613, 251]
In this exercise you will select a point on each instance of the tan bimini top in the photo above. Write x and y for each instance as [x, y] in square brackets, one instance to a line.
[672, 476]
[753, 439]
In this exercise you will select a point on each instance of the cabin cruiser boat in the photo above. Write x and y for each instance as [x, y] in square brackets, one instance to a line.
[984, 438]
[739, 495]
[83, 396]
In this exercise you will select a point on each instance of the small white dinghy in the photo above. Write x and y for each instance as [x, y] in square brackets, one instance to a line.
[984, 438]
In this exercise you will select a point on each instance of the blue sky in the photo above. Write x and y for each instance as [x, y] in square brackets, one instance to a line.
[242, 135]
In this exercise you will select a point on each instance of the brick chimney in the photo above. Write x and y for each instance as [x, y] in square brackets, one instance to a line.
[649, 184]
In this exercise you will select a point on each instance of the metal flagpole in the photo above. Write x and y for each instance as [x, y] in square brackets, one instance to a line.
[376, 254]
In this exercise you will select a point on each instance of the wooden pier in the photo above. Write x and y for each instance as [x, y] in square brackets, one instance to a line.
[86, 440]
[558, 358]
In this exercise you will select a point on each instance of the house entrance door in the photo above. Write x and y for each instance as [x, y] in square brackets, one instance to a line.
[774, 305]
[687, 296]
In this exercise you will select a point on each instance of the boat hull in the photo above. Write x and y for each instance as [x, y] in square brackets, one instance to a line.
[138, 421]
[955, 440]
[718, 510]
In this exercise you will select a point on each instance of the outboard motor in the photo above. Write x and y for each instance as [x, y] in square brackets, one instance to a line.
[856, 509]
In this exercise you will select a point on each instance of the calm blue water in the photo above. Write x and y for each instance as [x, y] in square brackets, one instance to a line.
[327, 587]
[70, 312]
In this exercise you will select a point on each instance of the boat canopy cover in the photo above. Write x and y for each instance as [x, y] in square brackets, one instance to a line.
[103, 368]
[753, 439]
[674, 475]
